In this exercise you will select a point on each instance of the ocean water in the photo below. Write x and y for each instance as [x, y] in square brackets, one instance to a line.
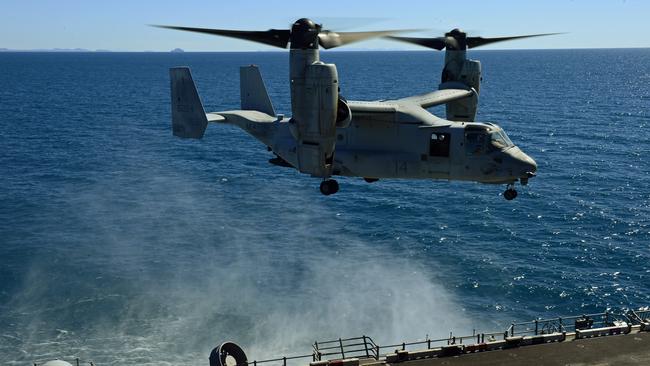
[121, 244]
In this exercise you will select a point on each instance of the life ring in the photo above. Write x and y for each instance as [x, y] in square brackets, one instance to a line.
[219, 354]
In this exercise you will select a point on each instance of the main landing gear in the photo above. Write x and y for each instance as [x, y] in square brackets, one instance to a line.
[329, 186]
[510, 193]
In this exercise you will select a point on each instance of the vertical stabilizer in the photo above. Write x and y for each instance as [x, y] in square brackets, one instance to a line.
[253, 92]
[188, 116]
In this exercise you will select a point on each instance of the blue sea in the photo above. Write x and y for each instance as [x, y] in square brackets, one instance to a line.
[121, 244]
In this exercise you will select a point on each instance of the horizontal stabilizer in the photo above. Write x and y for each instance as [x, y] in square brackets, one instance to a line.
[215, 117]
[188, 117]
[253, 92]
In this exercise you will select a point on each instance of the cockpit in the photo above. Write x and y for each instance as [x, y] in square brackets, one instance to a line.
[482, 139]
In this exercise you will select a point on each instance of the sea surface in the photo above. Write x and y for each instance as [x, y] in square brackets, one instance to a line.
[121, 244]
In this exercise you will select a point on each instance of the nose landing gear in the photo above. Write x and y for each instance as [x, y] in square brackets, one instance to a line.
[329, 186]
[510, 193]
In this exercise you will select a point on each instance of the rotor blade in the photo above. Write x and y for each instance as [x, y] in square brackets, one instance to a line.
[272, 37]
[328, 39]
[438, 43]
[473, 42]
[346, 22]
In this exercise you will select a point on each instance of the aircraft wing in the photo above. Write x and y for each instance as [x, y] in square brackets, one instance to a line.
[436, 97]
[424, 100]
[372, 107]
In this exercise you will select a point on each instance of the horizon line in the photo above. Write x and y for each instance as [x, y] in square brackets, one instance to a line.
[178, 50]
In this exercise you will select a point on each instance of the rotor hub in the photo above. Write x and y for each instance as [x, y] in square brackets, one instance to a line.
[456, 32]
[456, 40]
[304, 34]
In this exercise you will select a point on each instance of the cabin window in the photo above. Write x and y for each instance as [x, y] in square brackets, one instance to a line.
[439, 144]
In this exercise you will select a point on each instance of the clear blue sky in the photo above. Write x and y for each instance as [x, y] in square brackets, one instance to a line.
[121, 24]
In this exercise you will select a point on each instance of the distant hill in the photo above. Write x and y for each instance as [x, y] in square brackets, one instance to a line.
[177, 50]
[68, 50]
[48, 50]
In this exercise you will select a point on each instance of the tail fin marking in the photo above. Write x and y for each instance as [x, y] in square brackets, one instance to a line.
[188, 117]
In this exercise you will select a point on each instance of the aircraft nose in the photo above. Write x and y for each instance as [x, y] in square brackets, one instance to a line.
[525, 166]
[530, 166]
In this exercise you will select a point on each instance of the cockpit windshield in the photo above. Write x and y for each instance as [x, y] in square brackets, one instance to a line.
[480, 139]
[499, 140]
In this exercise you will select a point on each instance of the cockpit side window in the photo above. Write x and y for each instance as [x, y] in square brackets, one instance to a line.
[475, 142]
[439, 144]
[499, 140]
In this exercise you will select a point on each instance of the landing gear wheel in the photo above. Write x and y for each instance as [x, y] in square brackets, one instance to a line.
[510, 194]
[329, 186]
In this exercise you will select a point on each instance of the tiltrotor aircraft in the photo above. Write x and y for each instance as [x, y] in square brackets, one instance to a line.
[328, 135]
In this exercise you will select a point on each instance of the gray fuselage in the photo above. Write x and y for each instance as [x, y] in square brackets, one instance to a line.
[403, 142]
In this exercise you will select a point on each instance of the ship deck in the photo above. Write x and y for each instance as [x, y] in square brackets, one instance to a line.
[609, 338]
[625, 349]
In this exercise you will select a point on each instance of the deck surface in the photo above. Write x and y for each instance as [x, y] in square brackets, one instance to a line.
[630, 349]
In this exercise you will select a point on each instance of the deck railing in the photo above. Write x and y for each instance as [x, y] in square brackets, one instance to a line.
[365, 347]
[566, 324]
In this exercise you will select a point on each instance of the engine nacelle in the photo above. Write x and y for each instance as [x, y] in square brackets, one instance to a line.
[315, 101]
[468, 72]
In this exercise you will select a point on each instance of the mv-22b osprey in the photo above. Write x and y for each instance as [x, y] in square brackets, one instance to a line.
[328, 135]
